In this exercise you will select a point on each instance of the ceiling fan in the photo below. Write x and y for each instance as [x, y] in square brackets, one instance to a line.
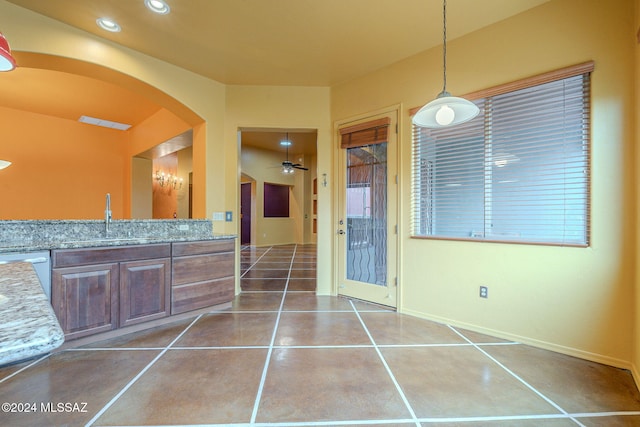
[288, 167]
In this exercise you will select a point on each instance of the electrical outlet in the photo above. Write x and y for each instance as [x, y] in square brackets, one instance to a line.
[228, 216]
[484, 292]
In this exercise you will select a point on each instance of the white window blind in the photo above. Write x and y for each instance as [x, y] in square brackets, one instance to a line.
[519, 172]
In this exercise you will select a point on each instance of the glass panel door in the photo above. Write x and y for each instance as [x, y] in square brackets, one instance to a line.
[366, 228]
[367, 214]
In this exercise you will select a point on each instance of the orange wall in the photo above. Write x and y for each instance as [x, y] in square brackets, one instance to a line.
[62, 169]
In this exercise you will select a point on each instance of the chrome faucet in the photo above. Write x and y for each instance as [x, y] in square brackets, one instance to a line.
[107, 215]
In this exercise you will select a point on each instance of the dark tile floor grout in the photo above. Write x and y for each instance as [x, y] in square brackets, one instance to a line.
[286, 357]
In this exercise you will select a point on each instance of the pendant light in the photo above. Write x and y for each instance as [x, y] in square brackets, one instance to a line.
[445, 110]
[7, 62]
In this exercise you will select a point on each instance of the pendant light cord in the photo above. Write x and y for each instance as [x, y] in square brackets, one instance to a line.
[444, 45]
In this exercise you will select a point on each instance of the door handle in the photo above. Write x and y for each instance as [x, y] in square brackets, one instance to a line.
[341, 232]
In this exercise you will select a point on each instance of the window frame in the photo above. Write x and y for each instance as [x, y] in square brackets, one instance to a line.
[585, 68]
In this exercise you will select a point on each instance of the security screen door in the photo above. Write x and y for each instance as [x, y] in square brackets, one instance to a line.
[366, 229]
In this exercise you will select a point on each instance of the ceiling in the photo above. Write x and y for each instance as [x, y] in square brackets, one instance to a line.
[303, 142]
[245, 42]
[281, 42]
[47, 92]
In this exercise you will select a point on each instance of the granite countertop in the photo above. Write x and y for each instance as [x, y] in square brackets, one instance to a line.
[104, 241]
[36, 235]
[29, 326]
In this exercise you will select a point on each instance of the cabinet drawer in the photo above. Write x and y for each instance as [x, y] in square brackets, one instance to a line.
[200, 268]
[87, 256]
[194, 296]
[203, 247]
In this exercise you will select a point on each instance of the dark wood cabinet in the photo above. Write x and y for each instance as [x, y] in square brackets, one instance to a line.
[144, 290]
[96, 290]
[202, 274]
[85, 298]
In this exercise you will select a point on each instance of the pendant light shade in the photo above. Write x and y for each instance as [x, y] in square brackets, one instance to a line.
[7, 62]
[4, 164]
[445, 110]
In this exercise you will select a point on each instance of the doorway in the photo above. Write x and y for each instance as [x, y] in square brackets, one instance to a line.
[162, 180]
[267, 161]
[245, 213]
[367, 210]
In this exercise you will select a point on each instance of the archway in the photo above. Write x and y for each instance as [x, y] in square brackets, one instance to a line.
[50, 159]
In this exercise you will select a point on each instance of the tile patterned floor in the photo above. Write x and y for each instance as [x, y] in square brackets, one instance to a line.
[283, 357]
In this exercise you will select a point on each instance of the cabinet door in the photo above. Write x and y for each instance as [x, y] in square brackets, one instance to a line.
[85, 299]
[144, 290]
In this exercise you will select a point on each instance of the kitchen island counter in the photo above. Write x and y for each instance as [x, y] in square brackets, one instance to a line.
[28, 325]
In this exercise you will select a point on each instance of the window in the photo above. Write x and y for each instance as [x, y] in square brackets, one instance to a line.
[519, 172]
[359, 201]
[276, 201]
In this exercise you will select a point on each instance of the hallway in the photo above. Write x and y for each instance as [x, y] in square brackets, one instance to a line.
[283, 356]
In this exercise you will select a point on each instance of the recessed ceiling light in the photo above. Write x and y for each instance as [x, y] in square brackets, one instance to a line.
[108, 24]
[157, 6]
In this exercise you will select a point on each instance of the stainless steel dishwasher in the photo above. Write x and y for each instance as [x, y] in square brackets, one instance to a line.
[41, 262]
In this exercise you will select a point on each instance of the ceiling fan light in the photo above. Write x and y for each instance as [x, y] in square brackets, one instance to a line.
[445, 110]
[287, 169]
[7, 62]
